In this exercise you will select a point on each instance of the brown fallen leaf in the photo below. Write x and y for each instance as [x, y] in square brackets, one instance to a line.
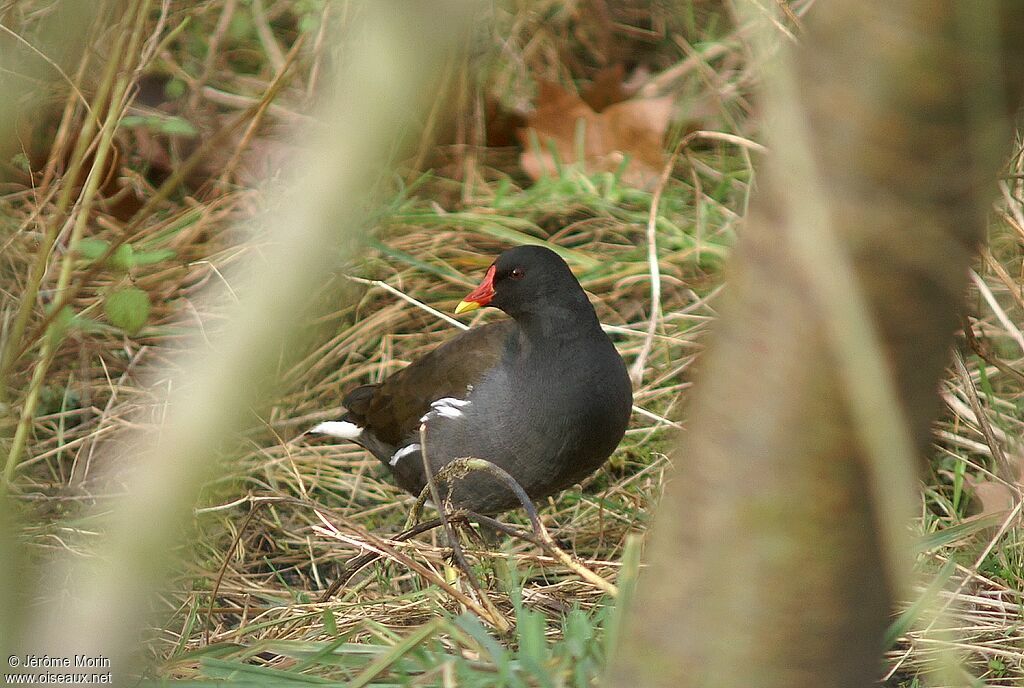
[632, 128]
[606, 88]
[993, 497]
[501, 125]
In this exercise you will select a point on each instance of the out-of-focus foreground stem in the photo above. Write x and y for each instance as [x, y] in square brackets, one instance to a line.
[770, 561]
[392, 51]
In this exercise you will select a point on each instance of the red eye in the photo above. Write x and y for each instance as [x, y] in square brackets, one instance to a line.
[517, 273]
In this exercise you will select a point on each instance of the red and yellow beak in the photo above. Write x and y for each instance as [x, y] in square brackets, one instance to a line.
[481, 296]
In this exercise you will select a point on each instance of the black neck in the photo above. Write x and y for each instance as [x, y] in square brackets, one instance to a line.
[570, 319]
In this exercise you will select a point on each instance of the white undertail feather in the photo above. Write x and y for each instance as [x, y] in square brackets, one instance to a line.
[404, 451]
[338, 428]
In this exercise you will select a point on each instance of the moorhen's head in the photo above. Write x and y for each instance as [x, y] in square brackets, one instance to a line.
[527, 279]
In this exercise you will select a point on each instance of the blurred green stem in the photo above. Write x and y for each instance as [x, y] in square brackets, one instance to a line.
[392, 54]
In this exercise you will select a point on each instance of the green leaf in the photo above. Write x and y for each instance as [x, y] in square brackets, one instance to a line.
[176, 126]
[947, 536]
[577, 633]
[330, 623]
[628, 574]
[398, 650]
[308, 23]
[533, 645]
[153, 257]
[88, 325]
[172, 125]
[241, 27]
[906, 620]
[61, 324]
[239, 673]
[21, 161]
[174, 89]
[132, 121]
[499, 656]
[438, 269]
[128, 309]
[92, 248]
[123, 258]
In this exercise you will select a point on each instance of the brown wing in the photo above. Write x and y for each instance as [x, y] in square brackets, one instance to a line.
[392, 409]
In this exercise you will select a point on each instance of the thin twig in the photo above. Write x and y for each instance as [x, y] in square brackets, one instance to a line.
[405, 297]
[453, 539]
[985, 353]
[655, 416]
[544, 540]
[1000, 314]
[237, 101]
[435, 494]
[980, 417]
[257, 118]
[212, 46]
[266, 36]
[58, 149]
[317, 52]
[636, 372]
[382, 548]
[254, 507]
[459, 467]
[1012, 289]
[357, 563]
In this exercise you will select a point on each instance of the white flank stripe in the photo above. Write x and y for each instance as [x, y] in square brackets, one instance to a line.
[451, 401]
[338, 428]
[404, 451]
[448, 407]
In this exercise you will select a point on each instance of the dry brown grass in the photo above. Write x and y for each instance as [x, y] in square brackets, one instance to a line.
[259, 535]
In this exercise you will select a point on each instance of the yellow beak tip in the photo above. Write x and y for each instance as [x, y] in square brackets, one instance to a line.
[466, 306]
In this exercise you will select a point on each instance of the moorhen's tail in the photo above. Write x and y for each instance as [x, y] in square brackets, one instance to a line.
[352, 425]
[357, 402]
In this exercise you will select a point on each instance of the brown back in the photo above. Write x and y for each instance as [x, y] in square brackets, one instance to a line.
[392, 409]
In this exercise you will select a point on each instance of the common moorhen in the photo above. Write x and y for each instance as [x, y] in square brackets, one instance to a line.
[544, 395]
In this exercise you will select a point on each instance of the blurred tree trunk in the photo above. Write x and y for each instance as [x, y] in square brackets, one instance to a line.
[767, 567]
